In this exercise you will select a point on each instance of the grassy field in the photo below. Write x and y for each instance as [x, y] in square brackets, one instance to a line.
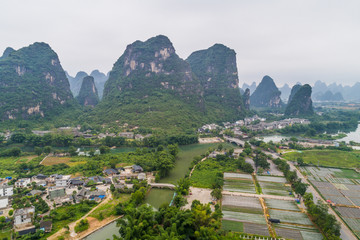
[64, 215]
[242, 209]
[330, 158]
[347, 173]
[9, 164]
[205, 173]
[6, 234]
[108, 209]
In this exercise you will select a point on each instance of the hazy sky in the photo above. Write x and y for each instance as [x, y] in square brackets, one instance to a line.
[304, 40]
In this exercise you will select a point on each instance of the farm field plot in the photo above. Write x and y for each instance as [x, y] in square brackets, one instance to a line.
[352, 218]
[275, 188]
[240, 201]
[281, 204]
[244, 217]
[354, 224]
[243, 214]
[238, 175]
[239, 185]
[271, 179]
[297, 234]
[232, 225]
[259, 229]
[341, 186]
[290, 217]
[337, 199]
[49, 161]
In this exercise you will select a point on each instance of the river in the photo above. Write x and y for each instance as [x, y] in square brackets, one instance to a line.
[352, 136]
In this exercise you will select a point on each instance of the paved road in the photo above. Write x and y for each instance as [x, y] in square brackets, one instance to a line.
[162, 185]
[258, 195]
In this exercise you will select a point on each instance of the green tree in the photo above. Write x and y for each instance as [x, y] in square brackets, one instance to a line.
[72, 151]
[216, 193]
[173, 149]
[47, 149]
[38, 151]
[104, 149]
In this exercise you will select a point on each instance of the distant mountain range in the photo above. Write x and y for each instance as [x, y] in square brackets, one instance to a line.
[75, 82]
[150, 86]
[320, 92]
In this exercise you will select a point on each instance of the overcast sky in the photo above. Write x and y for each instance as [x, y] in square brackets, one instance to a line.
[304, 40]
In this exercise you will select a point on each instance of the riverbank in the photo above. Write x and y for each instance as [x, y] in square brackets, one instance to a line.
[96, 225]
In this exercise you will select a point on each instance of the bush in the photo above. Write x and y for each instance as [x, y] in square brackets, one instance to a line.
[82, 225]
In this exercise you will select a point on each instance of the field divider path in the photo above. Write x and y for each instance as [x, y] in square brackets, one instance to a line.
[44, 159]
[270, 228]
[286, 198]
[196, 165]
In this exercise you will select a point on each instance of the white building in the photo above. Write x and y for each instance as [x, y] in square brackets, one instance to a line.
[4, 202]
[62, 180]
[23, 216]
[23, 182]
[6, 190]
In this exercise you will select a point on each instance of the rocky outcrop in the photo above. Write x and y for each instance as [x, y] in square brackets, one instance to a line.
[75, 82]
[100, 80]
[301, 102]
[33, 83]
[7, 52]
[266, 94]
[88, 95]
[151, 85]
[150, 65]
[246, 99]
[216, 69]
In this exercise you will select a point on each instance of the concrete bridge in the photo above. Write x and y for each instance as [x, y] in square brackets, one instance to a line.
[235, 140]
[162, 185]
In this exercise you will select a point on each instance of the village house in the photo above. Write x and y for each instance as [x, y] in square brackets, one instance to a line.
[86, 194]
[141, 176]
[98, 180]
[76, 182]
[22, 182]
[139, 137]
[126, 134]
[208, 127]
[62, 180]
[4, 202]
[46, 226]
[23, 216]
[137, 169]
[111, 172]
[104, 135]
[129, 173]
[6, 190]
